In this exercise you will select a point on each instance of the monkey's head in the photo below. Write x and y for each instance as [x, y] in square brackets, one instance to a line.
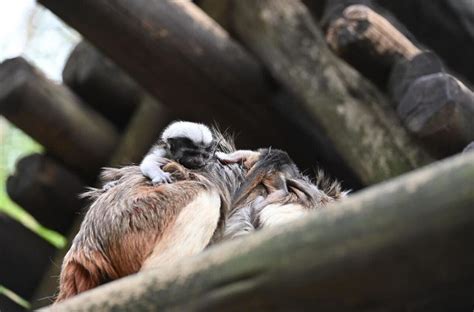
[191, 144]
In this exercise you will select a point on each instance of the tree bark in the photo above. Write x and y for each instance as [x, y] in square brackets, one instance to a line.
[48, 191]
[55, 117]
[355, 117]
[402, 245]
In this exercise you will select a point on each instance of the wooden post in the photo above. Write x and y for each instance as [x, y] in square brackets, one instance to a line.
[354, 116]
[24, 257]
[48, 191]
[55, 117]
[401, 245]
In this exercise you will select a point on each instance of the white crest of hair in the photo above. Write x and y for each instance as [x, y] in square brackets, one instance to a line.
[196, 132]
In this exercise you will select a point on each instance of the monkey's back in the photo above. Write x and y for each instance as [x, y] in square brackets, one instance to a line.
[125, 225]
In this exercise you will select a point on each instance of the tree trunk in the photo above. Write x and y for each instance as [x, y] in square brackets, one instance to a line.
[401, 245]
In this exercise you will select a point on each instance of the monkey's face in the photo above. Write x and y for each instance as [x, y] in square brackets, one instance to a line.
[192, 155]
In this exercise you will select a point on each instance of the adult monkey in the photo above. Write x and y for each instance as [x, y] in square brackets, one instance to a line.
[134, 224]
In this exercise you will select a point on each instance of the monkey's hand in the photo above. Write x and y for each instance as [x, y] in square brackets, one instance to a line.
[151, 168]
[245, 157]
[161, 177]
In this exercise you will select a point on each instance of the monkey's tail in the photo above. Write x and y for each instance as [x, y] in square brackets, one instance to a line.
[77, 275]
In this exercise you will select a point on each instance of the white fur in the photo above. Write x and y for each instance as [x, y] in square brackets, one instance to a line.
[190, 233]
[151, 166]
[277, 214]
[196, 132]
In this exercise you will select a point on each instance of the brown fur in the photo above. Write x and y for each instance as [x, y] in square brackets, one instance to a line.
[124, 224]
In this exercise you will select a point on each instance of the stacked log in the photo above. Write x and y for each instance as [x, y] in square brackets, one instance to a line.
[433, 104]
[334, 98]
[51, 114]
[450, 20]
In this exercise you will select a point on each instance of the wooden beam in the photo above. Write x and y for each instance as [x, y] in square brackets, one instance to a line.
[55, 117]
[352, 113]
[402, 245]
[47, 190]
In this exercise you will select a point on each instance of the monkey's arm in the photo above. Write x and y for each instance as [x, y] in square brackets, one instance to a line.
[246, 157]
[152, 163]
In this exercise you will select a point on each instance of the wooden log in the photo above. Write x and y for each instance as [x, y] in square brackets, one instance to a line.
[101, 84]
[401, 245]
[55, 117]
[180, 55]
[406, 71]
[366, 39]
[354, 116]
[439, 109]
[450, 20]
[442, 118]
[24, 257]
[188, 62]
[48, 191]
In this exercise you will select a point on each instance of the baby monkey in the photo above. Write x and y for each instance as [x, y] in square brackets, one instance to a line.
[188, 143]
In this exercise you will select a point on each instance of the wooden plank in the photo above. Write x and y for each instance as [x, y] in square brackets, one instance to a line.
[402, 245]
[47, 190]
[55, 117]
